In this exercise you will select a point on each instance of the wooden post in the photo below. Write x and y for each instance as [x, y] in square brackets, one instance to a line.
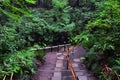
[44, 50]
[58, 48]
[67, 63]
[64, 47]
[51, 48]
[68, 48]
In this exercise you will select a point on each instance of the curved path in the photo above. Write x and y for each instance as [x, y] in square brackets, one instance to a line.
[55, 67]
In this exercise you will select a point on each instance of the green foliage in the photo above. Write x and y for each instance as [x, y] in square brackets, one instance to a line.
[106, 27]
[81, 15]
[13, 63]
[39, 28]
[31, 1]
[14, 9]
[103, 76]
[39, 52]
[94, 24]
[58, 20]
[59, 3]
[85, 38]
[116, 67]
[10, 41]
[54, 22]
[101, 37]
[19, 62]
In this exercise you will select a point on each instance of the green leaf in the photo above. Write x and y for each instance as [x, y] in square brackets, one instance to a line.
[31, 1]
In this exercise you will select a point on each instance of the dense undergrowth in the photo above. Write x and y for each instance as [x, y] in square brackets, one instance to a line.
[101, 38]
[94, 24]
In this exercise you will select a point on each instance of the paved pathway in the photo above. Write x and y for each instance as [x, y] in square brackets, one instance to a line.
[55, 67]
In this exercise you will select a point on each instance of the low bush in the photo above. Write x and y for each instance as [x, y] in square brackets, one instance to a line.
[19, 63]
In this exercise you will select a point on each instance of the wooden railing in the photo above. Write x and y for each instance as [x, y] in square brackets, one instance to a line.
[53, 47]
[70, 65]
[67, 57]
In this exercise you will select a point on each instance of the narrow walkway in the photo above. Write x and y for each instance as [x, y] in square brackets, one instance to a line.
[55, 67]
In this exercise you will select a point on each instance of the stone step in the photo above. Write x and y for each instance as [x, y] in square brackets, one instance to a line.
[68, 78]
[79, 78]
[44, 78]
[57, 74]
[60, 57]
[92, 78]
[78, 73]
[82, 78]
[59, 63]
[71, 78]
[68, 75]
[56, 78]
[46, 74]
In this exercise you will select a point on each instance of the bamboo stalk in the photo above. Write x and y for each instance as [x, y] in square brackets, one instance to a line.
[4, 77]
[118, 76]
[11, 77]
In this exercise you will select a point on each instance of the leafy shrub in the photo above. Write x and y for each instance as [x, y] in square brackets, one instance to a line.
[117, 65]
[58, 20]
[101, 38]
[60, 4]
[13, 63]
[19, 62]
[81, 15]
[9, 40]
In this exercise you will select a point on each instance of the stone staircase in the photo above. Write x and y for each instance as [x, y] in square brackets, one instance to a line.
[65, 74]
[55, 67]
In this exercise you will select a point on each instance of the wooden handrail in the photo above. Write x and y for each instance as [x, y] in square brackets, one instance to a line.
[70, 65]
[49, 47]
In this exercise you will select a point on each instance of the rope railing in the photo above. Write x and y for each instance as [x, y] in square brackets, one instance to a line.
[70, 65]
